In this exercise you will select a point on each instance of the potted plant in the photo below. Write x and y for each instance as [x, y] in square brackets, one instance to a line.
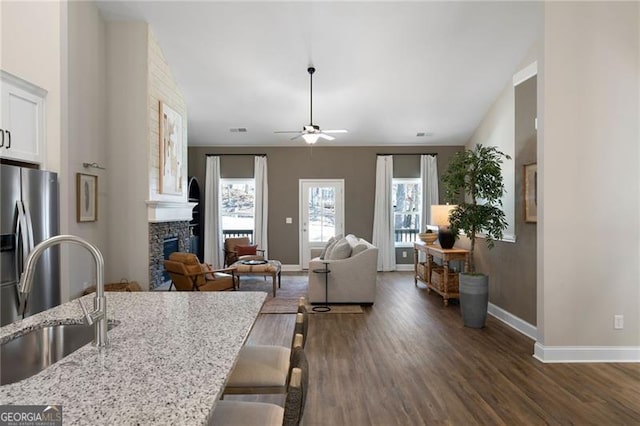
[476, 175]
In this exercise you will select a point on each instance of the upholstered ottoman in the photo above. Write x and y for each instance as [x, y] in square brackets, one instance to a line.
[267, 268]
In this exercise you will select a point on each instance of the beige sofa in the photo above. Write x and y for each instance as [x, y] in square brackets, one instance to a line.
[352, 278]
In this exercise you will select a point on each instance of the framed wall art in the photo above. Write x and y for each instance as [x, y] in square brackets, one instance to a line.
[531, 193]
[171, 151]
[86, 198]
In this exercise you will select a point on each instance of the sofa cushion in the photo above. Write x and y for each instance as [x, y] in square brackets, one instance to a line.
[359, 248]
[327, 252]
[352, 240]
[341, 250]
[326, 246]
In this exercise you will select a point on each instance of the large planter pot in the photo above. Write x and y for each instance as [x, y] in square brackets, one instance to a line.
[474, 299]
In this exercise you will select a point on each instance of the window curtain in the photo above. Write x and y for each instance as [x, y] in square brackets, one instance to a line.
[212, 214]
[383, 229]
[261, 203]
[429, 177]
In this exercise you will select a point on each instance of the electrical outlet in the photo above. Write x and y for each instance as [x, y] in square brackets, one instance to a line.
[618, 322]
[288, 220]
[404, 254]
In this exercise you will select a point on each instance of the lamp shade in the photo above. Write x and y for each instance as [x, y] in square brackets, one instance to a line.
[440, 214]
[310, 138]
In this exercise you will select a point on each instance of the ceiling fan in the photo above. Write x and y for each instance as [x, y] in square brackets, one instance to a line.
[311, 132]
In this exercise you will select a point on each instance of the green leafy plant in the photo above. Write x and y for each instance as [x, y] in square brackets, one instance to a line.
[477, 175]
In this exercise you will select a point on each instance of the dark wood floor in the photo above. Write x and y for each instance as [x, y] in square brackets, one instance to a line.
[409, 361]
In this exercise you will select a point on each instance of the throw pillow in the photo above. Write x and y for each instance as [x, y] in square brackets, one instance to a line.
[327, 253]
[246, 250]
[341, 250]
[326, 246]
[359, 248]
[207, 268]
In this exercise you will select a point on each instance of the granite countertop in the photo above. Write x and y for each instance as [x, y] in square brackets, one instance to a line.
[167, 361]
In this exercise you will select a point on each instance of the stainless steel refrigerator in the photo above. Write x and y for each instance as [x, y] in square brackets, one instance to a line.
[29, 214]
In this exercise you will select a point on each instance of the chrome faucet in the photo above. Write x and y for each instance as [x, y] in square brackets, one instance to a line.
[98, 317]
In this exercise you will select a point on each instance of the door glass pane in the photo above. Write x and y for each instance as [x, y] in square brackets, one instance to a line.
[322, 213]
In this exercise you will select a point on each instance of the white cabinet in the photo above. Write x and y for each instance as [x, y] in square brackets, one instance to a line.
[22, 115]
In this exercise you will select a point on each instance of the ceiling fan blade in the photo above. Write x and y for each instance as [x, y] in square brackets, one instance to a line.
[335, 131]
[286, 131]
[327, 137]
[296, 137]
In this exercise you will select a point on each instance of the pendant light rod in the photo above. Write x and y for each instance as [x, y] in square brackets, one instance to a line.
[311, 70]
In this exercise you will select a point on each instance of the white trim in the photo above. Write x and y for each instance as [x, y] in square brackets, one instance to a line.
[513, 321]
[22, 84]
[169, 211]
[506, 238]
[526, 73]
[400, 267]
[340, 210]
[553, 354]
[291, 268]
[405, 244]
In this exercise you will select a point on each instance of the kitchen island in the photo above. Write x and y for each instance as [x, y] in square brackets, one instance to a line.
[167, 363]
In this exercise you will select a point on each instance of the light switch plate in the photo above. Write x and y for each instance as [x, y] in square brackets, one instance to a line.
[288, 220]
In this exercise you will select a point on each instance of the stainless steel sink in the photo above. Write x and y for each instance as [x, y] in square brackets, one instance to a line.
[30, 353]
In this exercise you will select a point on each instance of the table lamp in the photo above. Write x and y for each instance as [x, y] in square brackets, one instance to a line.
[440, 217]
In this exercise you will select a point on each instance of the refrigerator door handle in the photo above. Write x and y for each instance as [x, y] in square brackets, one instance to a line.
[21, 232]
[27, 214]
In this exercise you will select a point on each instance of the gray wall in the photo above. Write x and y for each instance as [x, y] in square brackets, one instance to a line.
[356, 165]
[512, 266]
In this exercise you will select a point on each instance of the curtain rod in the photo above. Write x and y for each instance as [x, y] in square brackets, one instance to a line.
[219, 155]
[415, 153]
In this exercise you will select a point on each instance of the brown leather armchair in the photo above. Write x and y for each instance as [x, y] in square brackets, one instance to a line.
[188, 274]
[231, 250]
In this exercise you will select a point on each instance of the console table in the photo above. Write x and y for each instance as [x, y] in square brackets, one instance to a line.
[438, 277]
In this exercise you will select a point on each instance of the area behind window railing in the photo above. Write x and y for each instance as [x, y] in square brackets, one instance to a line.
[406, 235]
[237, 233]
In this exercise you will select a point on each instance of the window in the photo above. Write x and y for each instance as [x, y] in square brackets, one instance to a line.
[237, 207]
[407, 210]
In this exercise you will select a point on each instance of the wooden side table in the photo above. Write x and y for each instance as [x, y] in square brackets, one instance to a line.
[435, 277]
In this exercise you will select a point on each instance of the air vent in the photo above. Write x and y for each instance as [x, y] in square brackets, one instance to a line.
[423, 134]
[238, 130]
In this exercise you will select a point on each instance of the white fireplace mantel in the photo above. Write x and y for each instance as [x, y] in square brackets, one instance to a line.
[169, 211]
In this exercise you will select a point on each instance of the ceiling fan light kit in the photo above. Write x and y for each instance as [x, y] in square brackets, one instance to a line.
[310, 138]
[311, 133]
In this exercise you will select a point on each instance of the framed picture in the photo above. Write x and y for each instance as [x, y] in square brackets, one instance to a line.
[531, 193]
[171, 149]
[86, 198]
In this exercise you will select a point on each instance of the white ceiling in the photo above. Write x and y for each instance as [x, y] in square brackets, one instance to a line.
[385, 71]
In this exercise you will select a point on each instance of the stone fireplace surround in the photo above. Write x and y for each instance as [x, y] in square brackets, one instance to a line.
[167, 219]
[158, 232]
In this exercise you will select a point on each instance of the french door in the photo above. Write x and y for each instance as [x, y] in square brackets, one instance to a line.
[321, 214]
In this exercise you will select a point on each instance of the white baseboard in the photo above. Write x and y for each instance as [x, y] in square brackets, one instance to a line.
[513, 321]
[291, 268]
[404, 266]
[298, 268]
[550, 354]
